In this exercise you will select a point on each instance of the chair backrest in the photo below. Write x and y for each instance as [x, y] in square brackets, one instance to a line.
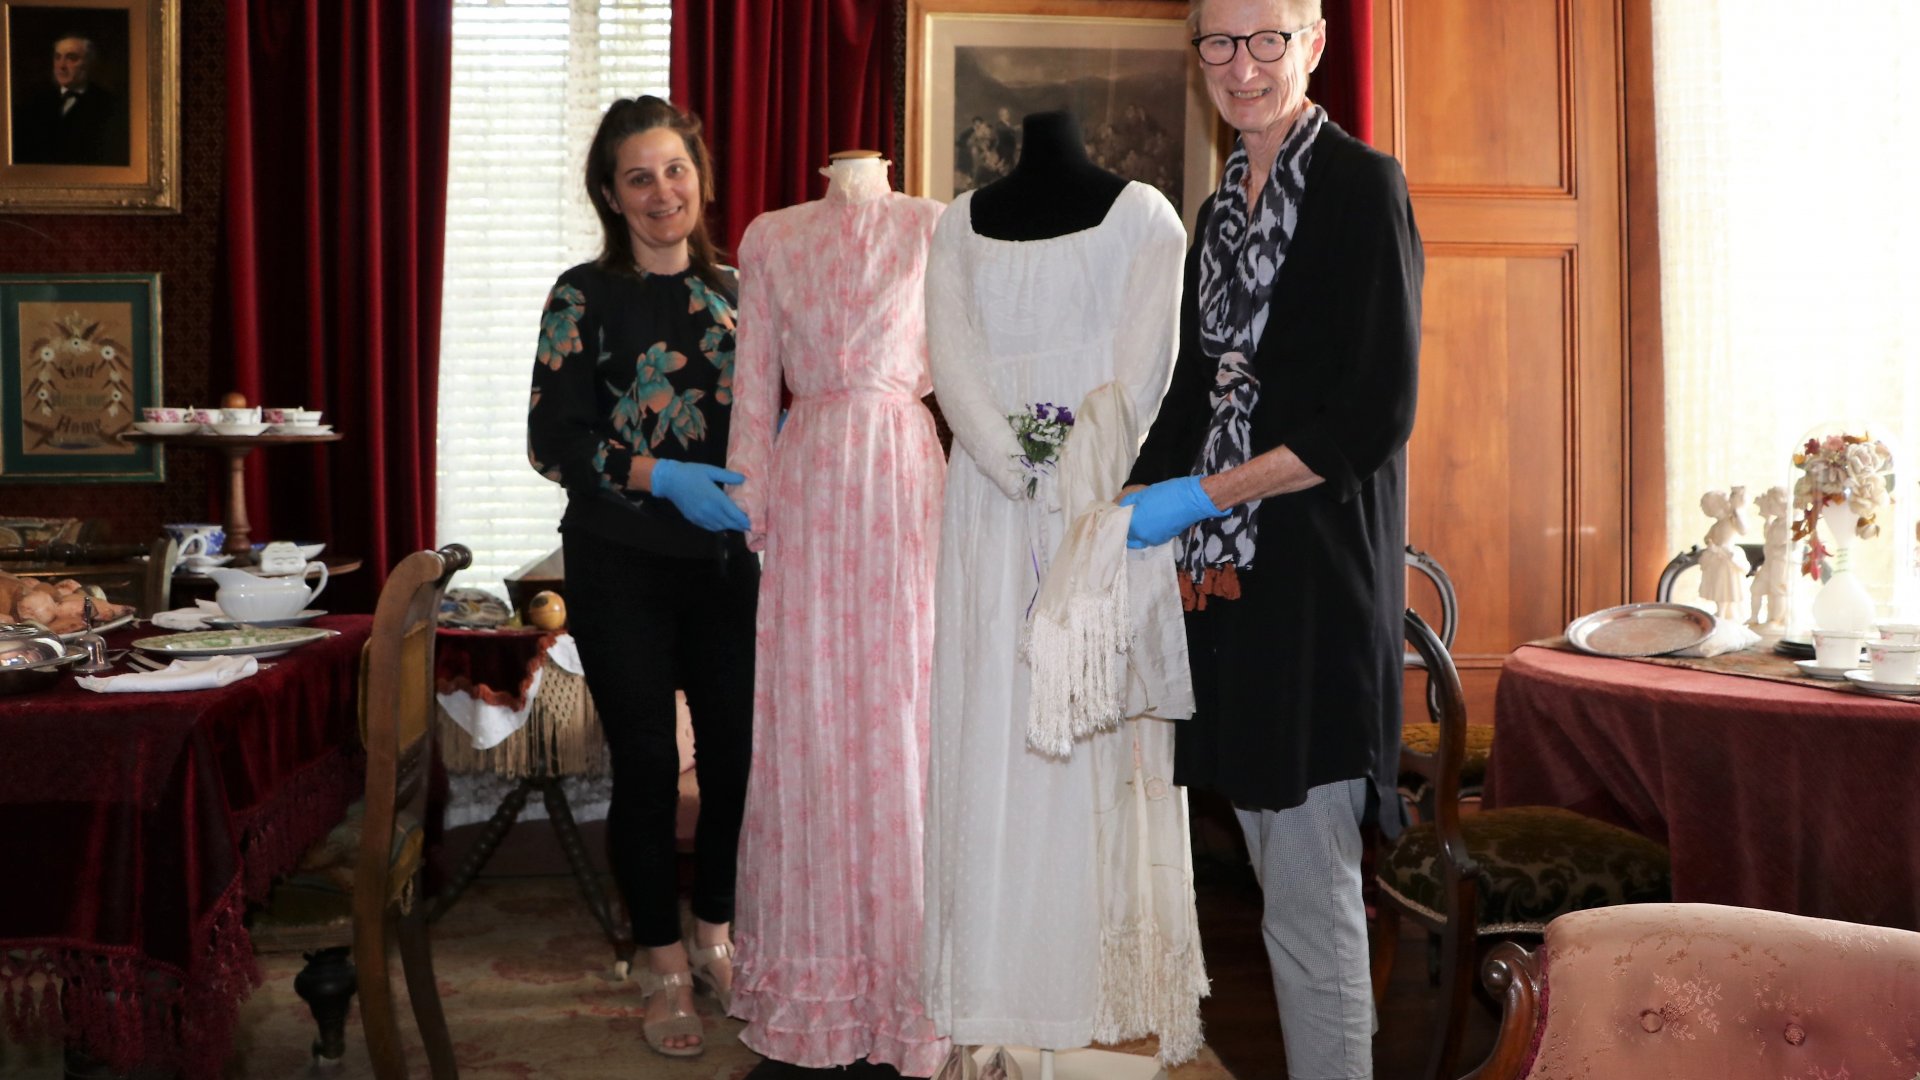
[1447, 707]
[397, 704]
[1429, 567]
[157, 592]
[1676, 566]
[1705, 990]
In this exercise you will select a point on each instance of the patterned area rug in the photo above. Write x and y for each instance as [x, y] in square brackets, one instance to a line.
[526, 981]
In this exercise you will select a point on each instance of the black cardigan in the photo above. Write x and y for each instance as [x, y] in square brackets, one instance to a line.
[1298, 680]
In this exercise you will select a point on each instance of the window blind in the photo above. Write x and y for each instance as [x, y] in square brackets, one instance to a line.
[1787, 275]
[530, 81]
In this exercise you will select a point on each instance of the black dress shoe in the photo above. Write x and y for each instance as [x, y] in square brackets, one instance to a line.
[859, 1070]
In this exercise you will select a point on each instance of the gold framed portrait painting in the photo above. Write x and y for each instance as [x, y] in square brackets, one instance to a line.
[89, 106]
[975, 68]
[79, 359]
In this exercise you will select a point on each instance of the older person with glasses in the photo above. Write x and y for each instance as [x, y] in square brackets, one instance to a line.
[1277, 466]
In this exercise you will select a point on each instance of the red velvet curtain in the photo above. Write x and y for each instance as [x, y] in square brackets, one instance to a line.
[780, 84]
[1344, 82]
[337, 114]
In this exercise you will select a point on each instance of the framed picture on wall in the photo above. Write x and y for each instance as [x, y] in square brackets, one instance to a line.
[1124, 68]
[79, 359]
[89, 106]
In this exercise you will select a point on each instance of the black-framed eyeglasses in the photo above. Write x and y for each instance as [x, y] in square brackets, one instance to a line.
[1265, 46]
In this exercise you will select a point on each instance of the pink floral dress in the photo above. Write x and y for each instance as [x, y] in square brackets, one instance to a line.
[845, 502]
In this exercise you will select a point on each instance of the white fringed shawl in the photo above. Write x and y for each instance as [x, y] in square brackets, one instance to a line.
[1108, 653]
[1106, 641]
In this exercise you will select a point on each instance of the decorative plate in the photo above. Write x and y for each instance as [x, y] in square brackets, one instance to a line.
[222, 622]
[1640, 630]
[113, 624]
[473, 609]
[155, 427]
[1813, 670]
[301, 430]
[248, 641]
[1865, 681]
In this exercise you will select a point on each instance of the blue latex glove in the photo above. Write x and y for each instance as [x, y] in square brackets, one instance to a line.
[689, 486]
[1166, 510]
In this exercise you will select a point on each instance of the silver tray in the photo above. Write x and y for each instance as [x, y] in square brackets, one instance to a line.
[1640, 630]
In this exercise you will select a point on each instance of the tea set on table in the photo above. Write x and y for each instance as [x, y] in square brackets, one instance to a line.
[1884, 660]
[242, 421]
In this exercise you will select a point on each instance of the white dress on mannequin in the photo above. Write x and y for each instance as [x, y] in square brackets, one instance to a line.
[1032, 906]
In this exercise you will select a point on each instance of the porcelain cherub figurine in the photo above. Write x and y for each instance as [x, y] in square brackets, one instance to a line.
[1723, 565]
[1773, 582]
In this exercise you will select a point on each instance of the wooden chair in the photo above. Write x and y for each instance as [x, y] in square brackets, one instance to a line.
[1497, 872]
[361, 880]
[1420, 743]
[1690, 558]
[157, 591]
[1655, 989]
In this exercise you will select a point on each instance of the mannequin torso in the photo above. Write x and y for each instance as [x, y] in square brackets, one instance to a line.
[1053, 190]
[856, 176]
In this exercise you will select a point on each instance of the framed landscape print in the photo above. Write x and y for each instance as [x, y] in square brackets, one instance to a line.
[89, 106]
[975, 68]
[79, 359]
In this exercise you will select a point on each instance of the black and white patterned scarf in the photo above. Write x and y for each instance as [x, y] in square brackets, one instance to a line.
[1240, 258]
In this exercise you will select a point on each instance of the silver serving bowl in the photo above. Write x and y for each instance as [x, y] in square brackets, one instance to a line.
[32, 663]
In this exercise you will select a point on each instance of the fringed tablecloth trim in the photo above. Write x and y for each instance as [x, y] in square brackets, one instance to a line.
[301, 810]
[127, 1010]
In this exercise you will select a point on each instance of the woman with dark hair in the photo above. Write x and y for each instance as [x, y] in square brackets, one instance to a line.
[632, 393]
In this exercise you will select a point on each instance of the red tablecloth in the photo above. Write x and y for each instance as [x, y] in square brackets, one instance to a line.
[493, 665]
[1768, 795]
[134, 828]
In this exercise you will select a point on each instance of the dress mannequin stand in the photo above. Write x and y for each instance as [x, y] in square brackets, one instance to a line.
[1054, 190]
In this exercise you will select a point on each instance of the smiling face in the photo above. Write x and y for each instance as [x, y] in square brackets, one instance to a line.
[72, 63]
[1261, 100]
[656, 190]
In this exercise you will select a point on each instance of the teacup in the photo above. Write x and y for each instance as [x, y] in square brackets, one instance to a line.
[194, 415]
[1900, 633]
[156, 414]
[301, 417]
[1894, 663]
[249, 415]
[1838, 648]
[197, 538]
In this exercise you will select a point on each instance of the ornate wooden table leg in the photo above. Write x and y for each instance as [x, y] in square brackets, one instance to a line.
[576, 852]
[327, 985]
[482, 850]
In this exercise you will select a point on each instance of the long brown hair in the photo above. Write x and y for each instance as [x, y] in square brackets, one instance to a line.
[628, 117]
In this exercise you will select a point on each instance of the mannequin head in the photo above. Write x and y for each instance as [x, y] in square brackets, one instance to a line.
[856, 174]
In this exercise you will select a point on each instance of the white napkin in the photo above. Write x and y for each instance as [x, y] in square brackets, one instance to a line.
[205, 674]
[1728, 636]
[188, 618]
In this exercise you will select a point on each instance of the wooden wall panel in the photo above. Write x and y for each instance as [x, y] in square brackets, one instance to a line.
[1493, 69]
[1509, 116]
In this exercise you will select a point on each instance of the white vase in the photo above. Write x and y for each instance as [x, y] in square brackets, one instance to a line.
[1843, 602]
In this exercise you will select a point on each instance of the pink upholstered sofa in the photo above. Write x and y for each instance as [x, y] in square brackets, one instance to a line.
[1702, 992]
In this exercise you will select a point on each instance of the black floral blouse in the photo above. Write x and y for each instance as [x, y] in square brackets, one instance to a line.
[630, 365]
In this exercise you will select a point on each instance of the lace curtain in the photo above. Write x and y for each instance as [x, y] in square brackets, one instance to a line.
[1788, 139]
[530, 80]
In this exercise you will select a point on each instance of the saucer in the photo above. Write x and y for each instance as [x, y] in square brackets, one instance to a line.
[223, 622]
[200, 564]
[1812, 670]
[238, 429]
[1865, 681]
[303, 429]
[156, 428]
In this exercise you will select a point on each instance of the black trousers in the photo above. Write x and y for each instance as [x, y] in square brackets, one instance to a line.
[645, 626]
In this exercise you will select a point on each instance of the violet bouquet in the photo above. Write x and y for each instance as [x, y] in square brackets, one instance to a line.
[1041, 431]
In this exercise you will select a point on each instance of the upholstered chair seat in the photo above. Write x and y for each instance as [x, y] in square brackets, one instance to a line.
[1534, 863]
[1423, 741]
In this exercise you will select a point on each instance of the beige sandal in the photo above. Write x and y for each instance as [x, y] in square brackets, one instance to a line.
[678, 1024]
[702, 959]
